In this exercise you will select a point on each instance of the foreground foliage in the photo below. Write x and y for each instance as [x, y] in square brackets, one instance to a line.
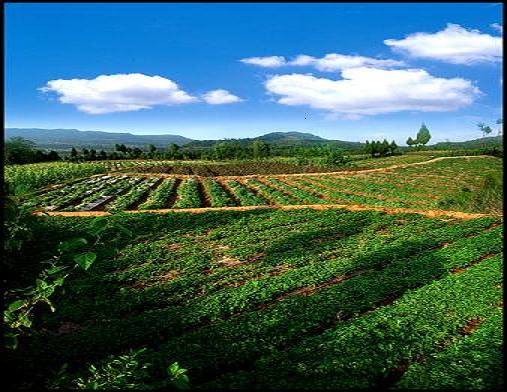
[246, 299]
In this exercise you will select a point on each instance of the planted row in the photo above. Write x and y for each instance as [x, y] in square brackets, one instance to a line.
[61, 197]
[188, 195]
[134, 194]
[363, 352]
[160, 196]
[270, 193]
[175, 320]
[303, 195]
[218, 196]
[244, 195]
[113, 187]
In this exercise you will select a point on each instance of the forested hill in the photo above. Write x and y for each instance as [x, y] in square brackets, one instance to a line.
[284, 139]
[67, 138]
[470, 144]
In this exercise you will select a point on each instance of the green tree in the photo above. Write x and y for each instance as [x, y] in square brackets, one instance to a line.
[120, 148]
[173, 151]
[19, 150]
[225, 150]
[137, 152]
[260, 149]
[410, 141]
[423, 136]
[53, 156]
[367, 147]
[384, 149]
[499, 122]
[102, 155]
[393, 146]
[73, 154]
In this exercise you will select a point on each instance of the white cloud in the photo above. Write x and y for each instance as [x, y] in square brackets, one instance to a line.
[330, 62]
[454, 44]
[336, 62]
[118, 93]
[220, 97]
[269, 61]
[497, 27]
[369, 91]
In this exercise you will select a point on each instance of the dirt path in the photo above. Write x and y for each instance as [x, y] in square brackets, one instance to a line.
[350, 207]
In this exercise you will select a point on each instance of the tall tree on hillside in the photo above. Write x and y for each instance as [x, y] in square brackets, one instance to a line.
[485, 129]
[410, 141]
[423, 136]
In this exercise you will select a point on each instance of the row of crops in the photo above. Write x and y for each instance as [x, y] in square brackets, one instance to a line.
[402, 187]
[288, 300]
[123, 192]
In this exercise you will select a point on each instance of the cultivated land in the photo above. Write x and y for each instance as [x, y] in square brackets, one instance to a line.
[370, 277]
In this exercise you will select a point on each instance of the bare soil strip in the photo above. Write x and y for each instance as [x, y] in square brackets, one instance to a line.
[174, 193]
[203, 195]
[350, 207]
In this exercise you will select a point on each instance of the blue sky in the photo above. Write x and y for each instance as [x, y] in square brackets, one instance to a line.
[94, 67]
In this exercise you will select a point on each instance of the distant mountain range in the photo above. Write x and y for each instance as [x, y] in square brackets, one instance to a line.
[67, 138]
[64, 139]
[476, 143]
[61, 139]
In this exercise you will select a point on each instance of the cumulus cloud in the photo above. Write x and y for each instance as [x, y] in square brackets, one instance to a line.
[220, 97]
[268, 61]
[454, 44]
[497, 27]
[118, 93]
[370, 91]
[330, 62]
[337, 62]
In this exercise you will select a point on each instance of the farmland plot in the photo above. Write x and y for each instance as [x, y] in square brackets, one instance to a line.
[423, 187]
[246, 299]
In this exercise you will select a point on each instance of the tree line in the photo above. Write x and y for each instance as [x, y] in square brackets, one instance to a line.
[19, 151]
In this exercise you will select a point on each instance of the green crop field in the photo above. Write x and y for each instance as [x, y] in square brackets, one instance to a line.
[447, 184]
[282, 281]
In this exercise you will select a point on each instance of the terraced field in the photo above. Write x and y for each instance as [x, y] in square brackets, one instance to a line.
[420, 185]
[306, 281]
[273, 299]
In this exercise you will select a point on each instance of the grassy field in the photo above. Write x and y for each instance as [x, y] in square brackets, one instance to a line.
[270, 298]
